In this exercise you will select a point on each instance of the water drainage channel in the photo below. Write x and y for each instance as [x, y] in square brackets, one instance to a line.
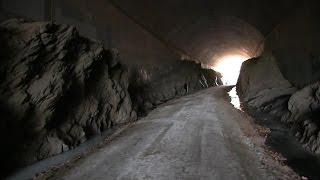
[282, 140]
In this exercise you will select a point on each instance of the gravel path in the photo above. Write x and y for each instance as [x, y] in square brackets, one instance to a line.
[195, 137]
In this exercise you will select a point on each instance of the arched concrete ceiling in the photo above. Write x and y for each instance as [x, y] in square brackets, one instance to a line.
[206, 29]
[210, 29]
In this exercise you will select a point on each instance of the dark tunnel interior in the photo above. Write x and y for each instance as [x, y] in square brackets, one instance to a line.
[129, 78]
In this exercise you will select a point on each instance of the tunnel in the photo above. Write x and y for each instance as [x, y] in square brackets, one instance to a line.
[171, 89]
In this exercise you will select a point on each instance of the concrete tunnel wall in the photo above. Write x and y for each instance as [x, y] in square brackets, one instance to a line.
[207, 36]
[35, 9]
[295, 44]
[211, 29]
[211, 38]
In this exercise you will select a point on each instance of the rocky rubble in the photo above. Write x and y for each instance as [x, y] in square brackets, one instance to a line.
[303, 116]
[57, 90]
[262, 88]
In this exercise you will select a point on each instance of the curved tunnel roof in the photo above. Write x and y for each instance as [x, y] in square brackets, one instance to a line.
[210, 29]
[204, 29]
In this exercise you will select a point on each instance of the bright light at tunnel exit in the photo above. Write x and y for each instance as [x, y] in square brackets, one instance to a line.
[229, 67]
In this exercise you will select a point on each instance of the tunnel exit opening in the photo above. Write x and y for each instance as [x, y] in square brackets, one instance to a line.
[229, 66]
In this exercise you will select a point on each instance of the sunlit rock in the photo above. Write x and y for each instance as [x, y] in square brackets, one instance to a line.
[262, 87]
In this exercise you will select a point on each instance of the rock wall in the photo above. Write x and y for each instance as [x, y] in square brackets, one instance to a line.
[151, 88]
[262, 89]
[57, 90]
[294, 45]
[140, 51]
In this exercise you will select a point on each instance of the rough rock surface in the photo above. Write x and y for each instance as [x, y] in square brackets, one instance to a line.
[151, 88]
[57, 90]
[261, 86]
[303, 115]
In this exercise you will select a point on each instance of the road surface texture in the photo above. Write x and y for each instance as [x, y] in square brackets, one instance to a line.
[194, 137]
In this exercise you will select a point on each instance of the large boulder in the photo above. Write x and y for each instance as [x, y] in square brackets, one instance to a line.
[261, 86]
[57, 89]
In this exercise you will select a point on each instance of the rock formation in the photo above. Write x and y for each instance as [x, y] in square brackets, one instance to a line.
[151, 88]
[303, 115]
[261, 86]
[57, 90]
